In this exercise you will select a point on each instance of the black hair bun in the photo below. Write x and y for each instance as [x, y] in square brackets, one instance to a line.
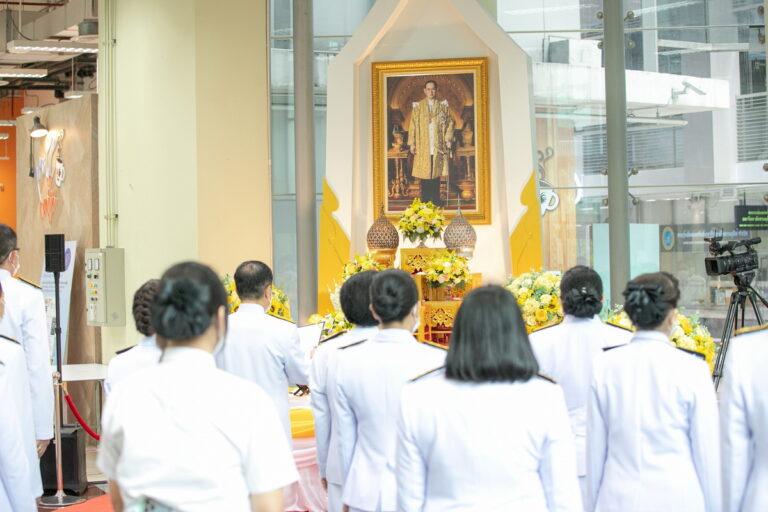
[644, 304]
[582, 302]
[179, 311]
[393, 295]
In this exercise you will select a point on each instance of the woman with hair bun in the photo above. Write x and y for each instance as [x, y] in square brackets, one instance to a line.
[565, 351]
[369, 377]
[652, 431]
[146, 353]
[183, 435]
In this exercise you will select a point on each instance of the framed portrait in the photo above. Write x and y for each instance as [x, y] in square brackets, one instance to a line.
[430, 136]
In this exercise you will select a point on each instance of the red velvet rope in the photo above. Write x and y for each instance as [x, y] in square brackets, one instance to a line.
[79, 418]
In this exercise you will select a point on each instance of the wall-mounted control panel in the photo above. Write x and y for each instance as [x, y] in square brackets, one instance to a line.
[105, 287]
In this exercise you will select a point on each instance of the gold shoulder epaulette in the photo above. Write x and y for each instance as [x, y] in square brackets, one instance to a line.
[332, 336]
[619, 326]
[436, 345]
[353, 344]
[428, 372]
[754, 328]
[29, 282]
[692, 352]
[546, 327]
[9, 339]
[545, 377]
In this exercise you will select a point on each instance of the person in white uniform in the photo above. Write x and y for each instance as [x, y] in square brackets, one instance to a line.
[146, 353]
[25, 309]
[184, 435]
[20, 482]
[744, 421]
[262, 348]
[565, 351]
[355, 304]
[652, 421]
[487, 432]
[369, 377]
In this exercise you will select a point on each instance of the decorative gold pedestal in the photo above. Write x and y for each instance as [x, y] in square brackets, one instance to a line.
[416, 260]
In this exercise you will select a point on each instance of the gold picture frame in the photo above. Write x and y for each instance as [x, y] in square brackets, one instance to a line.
[462, 149]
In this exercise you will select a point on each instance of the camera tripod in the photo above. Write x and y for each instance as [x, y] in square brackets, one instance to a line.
[738, 303]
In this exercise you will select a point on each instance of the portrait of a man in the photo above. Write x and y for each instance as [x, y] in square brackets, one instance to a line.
[430, 136]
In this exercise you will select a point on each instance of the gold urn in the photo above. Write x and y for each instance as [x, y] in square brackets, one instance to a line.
[383, 240]
[460, 236]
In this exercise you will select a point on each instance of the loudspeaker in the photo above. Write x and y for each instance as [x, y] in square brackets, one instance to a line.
[54, 253]
[72, 462]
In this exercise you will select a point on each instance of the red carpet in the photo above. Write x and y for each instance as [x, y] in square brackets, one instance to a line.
[100, 504]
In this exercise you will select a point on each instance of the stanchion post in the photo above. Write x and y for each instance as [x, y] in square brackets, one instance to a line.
[59, 499]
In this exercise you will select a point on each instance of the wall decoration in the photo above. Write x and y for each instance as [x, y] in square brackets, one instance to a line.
[50, 173]
[430, 136]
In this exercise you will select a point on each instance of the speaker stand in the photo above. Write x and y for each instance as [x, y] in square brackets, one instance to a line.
[59, 499]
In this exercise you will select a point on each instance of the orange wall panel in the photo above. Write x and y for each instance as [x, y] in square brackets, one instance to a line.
[10, 108]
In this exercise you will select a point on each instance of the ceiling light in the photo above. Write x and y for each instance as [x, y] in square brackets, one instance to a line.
[20, 46]
[4, 136]
[23, 72]
[38, 129]
[7, 122]
[73, 95]
[4, 82]
[28, 110]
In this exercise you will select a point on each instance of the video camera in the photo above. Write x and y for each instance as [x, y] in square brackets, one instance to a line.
[720, 264]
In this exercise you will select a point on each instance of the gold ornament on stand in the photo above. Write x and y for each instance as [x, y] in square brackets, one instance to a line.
[383, 240]
[460, 236]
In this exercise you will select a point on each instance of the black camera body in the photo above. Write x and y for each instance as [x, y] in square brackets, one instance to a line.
[720, 264]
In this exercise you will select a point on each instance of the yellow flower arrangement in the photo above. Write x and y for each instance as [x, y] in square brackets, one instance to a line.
[446, 268]
[360, 264]
[332, 322]
[538, 295]
[421, 221]
[688, 333]
[279, 306]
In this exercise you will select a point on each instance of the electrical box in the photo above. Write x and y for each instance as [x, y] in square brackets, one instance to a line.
[105, 287]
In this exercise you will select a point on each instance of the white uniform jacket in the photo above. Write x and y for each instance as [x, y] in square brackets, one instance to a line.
[322, 383]
[265, 350]
[20, 480]
[25, 309]
[466, 446]
[565, 353]
[652, 430]
[744, 423]
[145, 354]
[369, 378]
[193, 437]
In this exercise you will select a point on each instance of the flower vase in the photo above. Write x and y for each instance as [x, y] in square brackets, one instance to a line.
[421, 245]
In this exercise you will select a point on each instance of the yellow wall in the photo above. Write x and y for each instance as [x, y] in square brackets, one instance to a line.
[234, 185]
[192, 183]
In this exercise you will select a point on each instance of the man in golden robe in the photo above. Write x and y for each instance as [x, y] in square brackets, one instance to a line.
[430, 137]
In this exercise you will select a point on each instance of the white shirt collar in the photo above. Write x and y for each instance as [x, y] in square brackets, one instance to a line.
[570, 319]
[364, 332]
[188, 356]
[395, 335]
[651, 336]
[250, 307]
[4, 274]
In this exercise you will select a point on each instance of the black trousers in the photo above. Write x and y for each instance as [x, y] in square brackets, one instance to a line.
[430, 191]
